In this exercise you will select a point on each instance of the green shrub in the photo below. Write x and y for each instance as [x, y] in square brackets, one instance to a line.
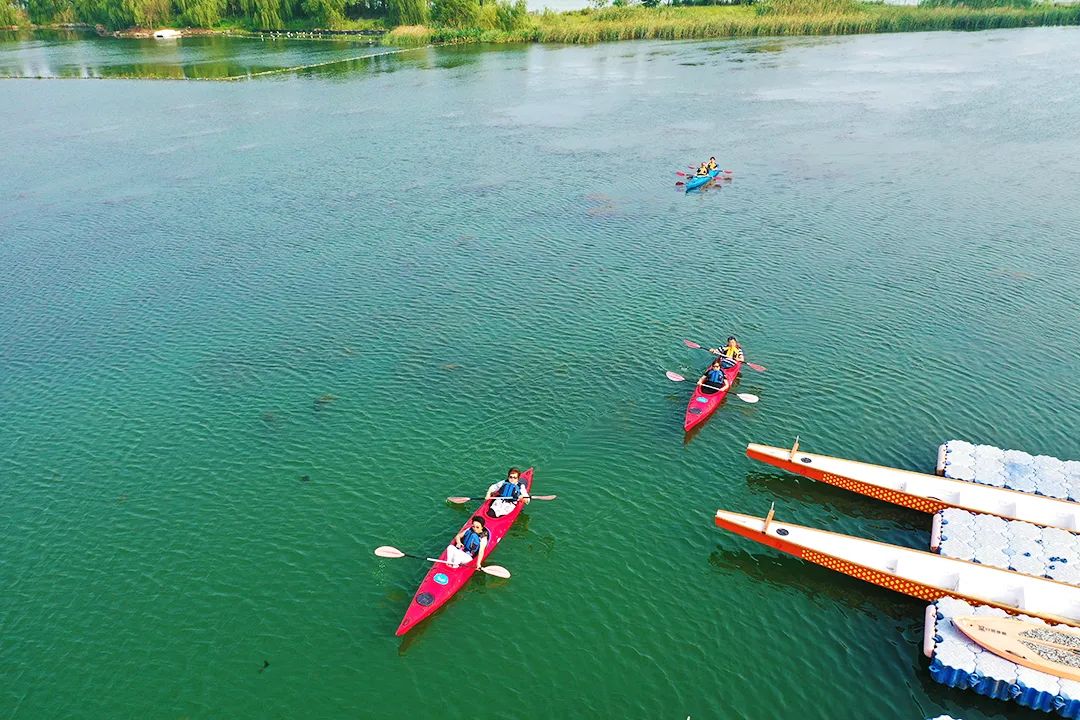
[11, 15]
[807, 7]
[977, 4]
[511, 15]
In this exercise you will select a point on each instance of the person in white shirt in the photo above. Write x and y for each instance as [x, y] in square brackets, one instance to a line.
[469, 544]
[506, 494]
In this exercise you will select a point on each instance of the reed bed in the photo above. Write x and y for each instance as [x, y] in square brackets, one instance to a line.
[685, 23]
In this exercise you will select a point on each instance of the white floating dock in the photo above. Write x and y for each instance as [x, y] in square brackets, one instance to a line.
[958, 662]
[1012, 469]
[1010, 544]
[1046, 552]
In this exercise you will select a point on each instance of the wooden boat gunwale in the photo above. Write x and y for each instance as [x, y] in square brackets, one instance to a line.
[987, 637]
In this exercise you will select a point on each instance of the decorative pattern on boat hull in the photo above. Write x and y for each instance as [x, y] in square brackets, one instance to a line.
[895, 497]
[885, 580]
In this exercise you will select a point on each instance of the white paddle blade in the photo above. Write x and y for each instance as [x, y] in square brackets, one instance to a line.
[747, 397]
[543, 497]
[457, 500]
[389, 552]
[674, 377]
[691, 344]
[496, 570]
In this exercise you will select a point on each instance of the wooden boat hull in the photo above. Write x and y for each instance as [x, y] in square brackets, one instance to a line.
[919, 491]
[1055, 651]
[924, 575]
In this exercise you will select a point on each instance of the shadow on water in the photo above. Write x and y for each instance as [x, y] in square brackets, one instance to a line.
[844, 502]
[721, 416]
[813, 580]
[479, 583]
[957, 701]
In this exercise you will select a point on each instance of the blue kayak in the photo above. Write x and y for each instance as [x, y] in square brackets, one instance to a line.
[698, 180]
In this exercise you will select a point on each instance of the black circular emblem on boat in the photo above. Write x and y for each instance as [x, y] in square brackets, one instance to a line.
[694, 410]
[805, 460]
[425, 599]
[781, 531]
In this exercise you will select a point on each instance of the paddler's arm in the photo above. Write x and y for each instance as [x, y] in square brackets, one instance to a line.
[457, 539]
[492, 490]
[480, 552]
[524, 494]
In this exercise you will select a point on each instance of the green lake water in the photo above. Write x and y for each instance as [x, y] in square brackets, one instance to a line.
[251, 331]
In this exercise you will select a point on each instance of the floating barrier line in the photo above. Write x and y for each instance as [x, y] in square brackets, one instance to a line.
[298, 68]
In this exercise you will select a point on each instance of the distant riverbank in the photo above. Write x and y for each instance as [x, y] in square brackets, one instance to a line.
[501, 21]
[685, 23]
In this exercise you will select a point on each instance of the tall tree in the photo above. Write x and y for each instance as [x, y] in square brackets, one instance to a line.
[408, 12]
[456, 13]
[325, 12]
[148, 13]
[200, 13]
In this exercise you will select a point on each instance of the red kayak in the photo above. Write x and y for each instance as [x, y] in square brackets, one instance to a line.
[442, 581]
[702, 404]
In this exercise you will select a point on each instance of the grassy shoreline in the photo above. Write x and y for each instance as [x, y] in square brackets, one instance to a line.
[706, 23]
[694, 23]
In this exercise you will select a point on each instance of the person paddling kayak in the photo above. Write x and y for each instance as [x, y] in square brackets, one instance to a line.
[703, 170]
[712, 163]
[714, 380]
[468, 544]
[506, 494]
[731, 351]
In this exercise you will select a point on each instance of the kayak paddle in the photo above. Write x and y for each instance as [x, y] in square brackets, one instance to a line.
[745, 397]
[694, 346]
[387, 551]
[462, 500]
[721, 174]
